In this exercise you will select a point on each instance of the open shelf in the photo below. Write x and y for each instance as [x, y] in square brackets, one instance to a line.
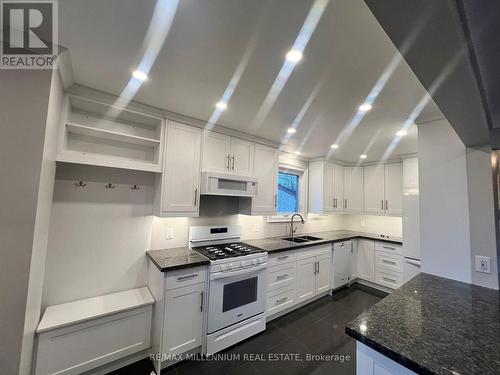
[111, 135]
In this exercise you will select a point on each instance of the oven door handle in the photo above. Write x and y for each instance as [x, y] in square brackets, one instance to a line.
[223, 275]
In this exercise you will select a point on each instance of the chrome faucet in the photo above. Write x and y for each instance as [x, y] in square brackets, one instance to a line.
[292, 229]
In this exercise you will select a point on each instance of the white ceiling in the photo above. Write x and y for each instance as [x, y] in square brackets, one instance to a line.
[345, 57]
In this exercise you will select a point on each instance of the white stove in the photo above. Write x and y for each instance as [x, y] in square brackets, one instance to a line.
[237, 286]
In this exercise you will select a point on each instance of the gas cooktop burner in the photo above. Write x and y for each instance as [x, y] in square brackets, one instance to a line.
[223, 251]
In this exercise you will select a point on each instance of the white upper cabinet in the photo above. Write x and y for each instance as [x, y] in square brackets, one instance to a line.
[410, 176]
[178, 188]
[374, 188]
[216, 152]
[393, 188]
[383, 188]
[225, 154]
[266, 160]
[338, 188]
[326, 187]
[353, 189]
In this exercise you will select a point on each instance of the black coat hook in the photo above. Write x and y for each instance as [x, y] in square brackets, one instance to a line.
[110, 186]
[135, 187]
[80, 184]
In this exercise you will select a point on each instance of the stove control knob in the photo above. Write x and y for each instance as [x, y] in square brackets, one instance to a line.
[255, 261]
[230, 265]
[223, 267]
[261, 260]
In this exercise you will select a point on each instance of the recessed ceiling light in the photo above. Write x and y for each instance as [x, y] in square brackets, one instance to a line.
[140, 75]
[294, 55]
[365, 107]
[221, 105]
[362, 156]
[334, 146]
[401, 133]
[291, 130]
[297, 152]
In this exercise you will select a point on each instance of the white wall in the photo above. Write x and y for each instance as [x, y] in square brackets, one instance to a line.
[482, 215]
[24, 97]
[388, 225]
[444, 208]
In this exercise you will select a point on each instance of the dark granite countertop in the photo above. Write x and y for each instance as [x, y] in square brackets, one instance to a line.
[434, 325]
[277, 244]
[176, 258]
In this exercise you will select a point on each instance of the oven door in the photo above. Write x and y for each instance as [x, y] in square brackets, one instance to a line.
[236, 296]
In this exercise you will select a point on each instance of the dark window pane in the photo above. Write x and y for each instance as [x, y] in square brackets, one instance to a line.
[288, 192]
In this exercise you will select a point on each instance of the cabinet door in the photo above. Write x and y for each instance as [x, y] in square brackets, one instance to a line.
[338, 187]
[242, 157]
[410, 175]
[341, 263]
[374, 188]
[266, 160]
[353, 191]
[328, 173]
[305, 278]
[323, 273]
[216, 152]
[354, 259]
[181, 176]
[185, 302]
[393, 188]
[366, 259]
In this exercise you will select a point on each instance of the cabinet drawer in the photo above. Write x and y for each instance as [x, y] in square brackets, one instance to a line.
[281, 258]
[388, 247]
[282, 275]
[314, 251]
[391, 262]
[189, 276]
[280, 299]
[388, 278]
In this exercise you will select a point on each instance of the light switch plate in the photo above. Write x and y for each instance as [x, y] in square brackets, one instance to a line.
[483, 264]
[170, 233]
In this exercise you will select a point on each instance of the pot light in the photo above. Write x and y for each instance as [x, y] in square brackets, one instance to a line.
[362, 156]
[139, 75]
[401, 133]
[365, 107]
[294, 55]
[297, 152]
[291, 130]
[221, 105]
[334, 146]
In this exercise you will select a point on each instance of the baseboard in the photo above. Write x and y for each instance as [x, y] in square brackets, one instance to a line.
[119, 363]
[371, 285]
[297, 306]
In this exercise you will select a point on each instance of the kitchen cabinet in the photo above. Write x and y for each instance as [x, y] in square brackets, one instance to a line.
[410, 176]
[266, 173]
[323, 273]
[326, 187]
[353, 189]
[393, 188]
[383, 188]
[314, 269]
[354, 259]
[388, 264]
[371, 362]
[226, 154]
[366, 259]
[177, 190]
[185, 302]
[342, 253]
[306, 277]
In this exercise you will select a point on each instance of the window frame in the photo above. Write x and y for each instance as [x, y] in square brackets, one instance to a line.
[302, 173]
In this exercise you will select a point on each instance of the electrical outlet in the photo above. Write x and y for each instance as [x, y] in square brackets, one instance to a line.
[170, 233]
[483, 264]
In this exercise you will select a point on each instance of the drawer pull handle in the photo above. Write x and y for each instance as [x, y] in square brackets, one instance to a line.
[388, 261]
[281, 277]
[281, 300]
[283, 257]
[389, 247]
[181, 278]
[390, 280]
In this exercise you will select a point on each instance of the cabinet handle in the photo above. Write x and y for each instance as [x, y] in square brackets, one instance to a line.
[195, 197]
[281, 277]
[386, 205]
[382, 204]
[388, 261]
[281, 300]
[317, 263]
[275, 200]
[181, 278]
[283, 257]
[345, 203]
[233, 163]
[201, 303]
[228, 157]
[388, 247]
[388, 279]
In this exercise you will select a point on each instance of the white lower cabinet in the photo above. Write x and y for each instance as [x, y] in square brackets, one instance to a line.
[182, 335]
[366, 259]
[388, 264]
[370, 362]
[298, 276]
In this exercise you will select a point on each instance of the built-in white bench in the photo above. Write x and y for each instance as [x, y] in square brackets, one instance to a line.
[82, 335]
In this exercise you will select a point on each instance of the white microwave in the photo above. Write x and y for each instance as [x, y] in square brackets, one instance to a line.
[228, 185]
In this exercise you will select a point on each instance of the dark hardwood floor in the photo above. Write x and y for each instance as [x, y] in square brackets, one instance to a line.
[292, 344]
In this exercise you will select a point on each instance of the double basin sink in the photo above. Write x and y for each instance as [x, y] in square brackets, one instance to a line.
[302, 239]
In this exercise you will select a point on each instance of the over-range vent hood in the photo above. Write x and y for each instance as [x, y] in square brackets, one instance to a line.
[228, 185]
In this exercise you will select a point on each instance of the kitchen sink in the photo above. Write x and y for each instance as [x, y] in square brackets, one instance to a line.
[301, 239]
